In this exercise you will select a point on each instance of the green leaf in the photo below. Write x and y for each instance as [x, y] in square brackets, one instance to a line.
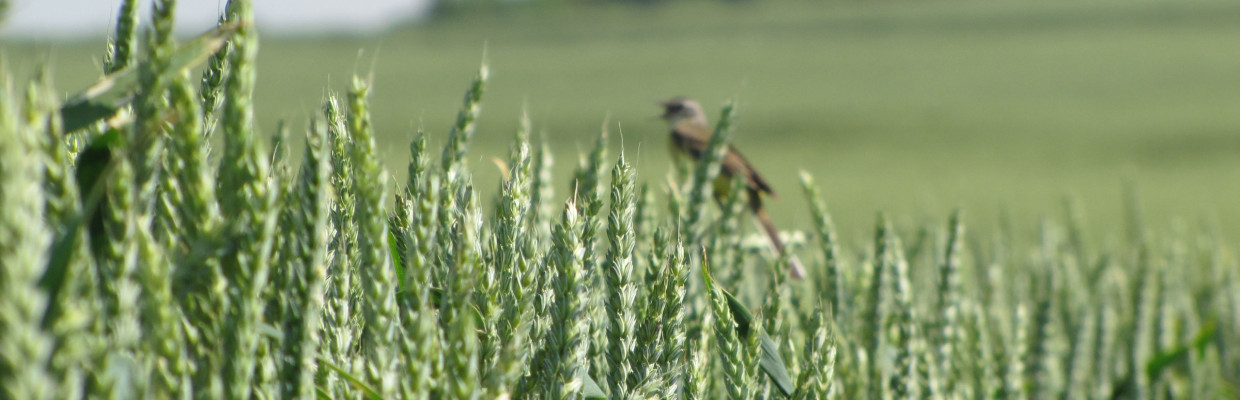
[103, 99]
[93, 166]
[590, 389]
[774, 367]
[1163, 360]
[270, 331]
[742, 316]
[54, 276]
[358, 383]
[94, 160]
[771, 363]
[436, 296]
[397, 260]
[437, 301]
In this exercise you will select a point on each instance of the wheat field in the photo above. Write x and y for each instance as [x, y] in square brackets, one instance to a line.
[153, 244]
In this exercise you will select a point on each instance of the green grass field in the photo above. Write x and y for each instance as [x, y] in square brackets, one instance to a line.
[912, 108]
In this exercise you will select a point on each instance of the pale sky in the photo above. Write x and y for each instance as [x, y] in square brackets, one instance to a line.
[69, 18]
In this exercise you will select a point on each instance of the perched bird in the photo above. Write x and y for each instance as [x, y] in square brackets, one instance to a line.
[690, 135]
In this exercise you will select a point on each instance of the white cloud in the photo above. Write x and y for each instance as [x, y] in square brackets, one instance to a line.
[66, 18]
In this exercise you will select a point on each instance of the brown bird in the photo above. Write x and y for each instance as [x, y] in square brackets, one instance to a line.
[690, 135]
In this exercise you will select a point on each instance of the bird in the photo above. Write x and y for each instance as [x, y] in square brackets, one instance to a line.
[690, 135]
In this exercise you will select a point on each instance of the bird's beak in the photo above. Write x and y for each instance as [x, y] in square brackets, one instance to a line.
[662, 104]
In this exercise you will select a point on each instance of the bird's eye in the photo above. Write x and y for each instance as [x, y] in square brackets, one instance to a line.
[675, 108]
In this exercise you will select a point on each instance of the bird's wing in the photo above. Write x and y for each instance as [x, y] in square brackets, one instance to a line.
[694, 139]
[755, 180]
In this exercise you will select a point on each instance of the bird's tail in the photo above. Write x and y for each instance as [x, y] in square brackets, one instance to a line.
[794, 263]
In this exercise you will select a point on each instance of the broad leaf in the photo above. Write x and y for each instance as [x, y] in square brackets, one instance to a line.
[397, 260]
[590, 389]
[103, 99]
[771, 362]
[93, 166]
[774, 366]
[357, 383]
[1165, 359]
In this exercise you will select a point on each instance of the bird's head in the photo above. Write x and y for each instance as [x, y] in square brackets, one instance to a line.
[681, 109]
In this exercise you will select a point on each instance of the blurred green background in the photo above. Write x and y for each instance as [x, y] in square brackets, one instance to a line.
[908, 107]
